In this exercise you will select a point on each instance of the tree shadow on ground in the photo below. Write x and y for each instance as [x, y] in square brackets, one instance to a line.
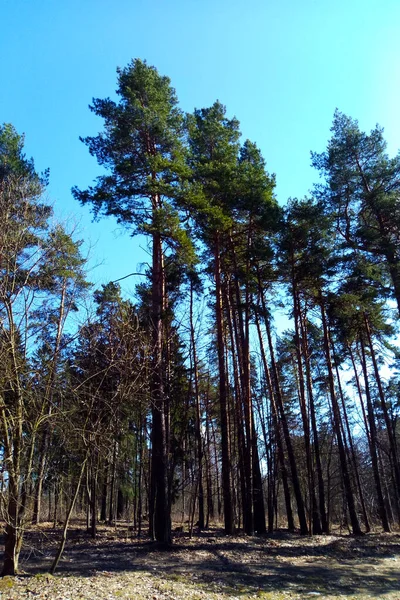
[333, 565]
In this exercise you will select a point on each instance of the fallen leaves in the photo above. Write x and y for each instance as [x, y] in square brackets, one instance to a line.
[212, 566]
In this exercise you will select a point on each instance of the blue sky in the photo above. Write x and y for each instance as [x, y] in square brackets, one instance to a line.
[281, 67]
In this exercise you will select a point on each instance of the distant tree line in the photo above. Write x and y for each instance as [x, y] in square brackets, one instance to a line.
[188, 403]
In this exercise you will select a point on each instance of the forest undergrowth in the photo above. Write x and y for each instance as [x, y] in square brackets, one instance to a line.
[207, 565]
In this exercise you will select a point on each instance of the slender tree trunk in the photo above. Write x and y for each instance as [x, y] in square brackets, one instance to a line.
[199, 440]
[111, 514]
[337, 422]
[389, 425]
[258, 492]
[241, 318]
[210, 498]
[11, 554]
[140, 468]
[120, 503]
[350, 446]
[278, 437]
[57, 486]
[270, 460]
[302, 401]
[93, 475]
[162, 514]
[238, 409]
[13, 454]
[14, 532]
[373, 444]
[217, 471]
[104, 489]
[40, 477]
[223, 399]
[317, 451]
[47, 404]
[281, 412]
[67, 520]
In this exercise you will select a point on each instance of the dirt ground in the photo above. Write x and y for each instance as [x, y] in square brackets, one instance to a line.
[207, 566]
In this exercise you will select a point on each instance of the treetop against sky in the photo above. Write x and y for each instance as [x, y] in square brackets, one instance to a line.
[280, 68]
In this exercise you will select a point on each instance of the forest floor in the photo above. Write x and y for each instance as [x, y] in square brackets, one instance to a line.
[209, 565]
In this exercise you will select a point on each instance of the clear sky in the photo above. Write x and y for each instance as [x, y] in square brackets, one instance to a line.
[280, 66]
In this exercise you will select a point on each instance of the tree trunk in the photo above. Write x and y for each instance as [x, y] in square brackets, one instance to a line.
[278, 437]
[241, 321]
[104, 489]
[350, 447]
[67, 520]
[302, 400]
[239, 439]
[389, 425]
[13, 453]
[11, 553]
[111, 514]
[162, 515]
[337, 422]
[258, 492]
[281, 412]
[210, 499]
[199, 440]
[40, 477]
[373, 445]
[316, 444]
[223, 399]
